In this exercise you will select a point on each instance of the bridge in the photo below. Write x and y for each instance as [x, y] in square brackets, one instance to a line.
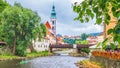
[77, 47]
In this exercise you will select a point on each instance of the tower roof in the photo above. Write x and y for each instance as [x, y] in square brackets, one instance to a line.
[53, 13]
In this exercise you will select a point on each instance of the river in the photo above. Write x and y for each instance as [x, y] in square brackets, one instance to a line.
[61, 61]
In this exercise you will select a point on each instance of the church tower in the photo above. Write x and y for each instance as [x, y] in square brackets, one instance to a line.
[53, 20]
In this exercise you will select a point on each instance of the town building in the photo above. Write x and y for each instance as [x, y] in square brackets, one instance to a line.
[100, 37]
[112, 23]
[50, 34]
[42, 45]
[92, 40]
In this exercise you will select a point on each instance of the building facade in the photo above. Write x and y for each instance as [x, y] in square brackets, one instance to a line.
[42, 45]
[50, 34]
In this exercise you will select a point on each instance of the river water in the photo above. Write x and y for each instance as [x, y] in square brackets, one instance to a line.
[61, 61]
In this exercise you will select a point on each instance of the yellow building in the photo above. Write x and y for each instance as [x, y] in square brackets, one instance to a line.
[107, 27]
[112, 24]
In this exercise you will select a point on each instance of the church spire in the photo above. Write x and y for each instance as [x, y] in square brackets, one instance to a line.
[53, 20]
[53, 13]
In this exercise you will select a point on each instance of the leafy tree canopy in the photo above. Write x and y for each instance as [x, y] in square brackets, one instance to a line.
[3, 5]
[21, 26]
[102, 10]
[99, 9]
[84, 36]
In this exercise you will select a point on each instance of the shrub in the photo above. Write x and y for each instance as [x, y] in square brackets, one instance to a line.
[86, 50]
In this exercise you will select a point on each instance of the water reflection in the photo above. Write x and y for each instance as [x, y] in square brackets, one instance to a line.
[43, 62]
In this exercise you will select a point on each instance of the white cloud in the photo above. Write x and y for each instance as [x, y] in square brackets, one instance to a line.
[65, 15]
[66, 29]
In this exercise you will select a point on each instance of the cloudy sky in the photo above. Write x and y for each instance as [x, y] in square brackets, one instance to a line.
[65, 16]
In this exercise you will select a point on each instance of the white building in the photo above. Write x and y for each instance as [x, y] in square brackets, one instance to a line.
[42, 45]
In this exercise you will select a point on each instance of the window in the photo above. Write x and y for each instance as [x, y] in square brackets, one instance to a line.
[53, 22]
[52, 28]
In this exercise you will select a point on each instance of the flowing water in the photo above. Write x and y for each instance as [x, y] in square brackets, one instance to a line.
[62, 61]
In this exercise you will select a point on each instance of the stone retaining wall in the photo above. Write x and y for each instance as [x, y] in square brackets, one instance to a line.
[107, 63]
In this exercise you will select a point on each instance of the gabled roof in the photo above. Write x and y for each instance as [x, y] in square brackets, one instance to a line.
[47, 24]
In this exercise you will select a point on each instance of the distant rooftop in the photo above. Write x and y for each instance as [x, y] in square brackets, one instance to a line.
[95, 34]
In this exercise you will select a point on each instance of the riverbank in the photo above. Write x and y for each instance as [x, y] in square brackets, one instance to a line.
[5, 57]
[88, 64]
[29, 55]
[38, 54]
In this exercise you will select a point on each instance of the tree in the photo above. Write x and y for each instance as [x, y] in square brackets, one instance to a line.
[21, 26]
[84, 36]
[43, 30]
[102, 10]
[3, 5]
[69, 41]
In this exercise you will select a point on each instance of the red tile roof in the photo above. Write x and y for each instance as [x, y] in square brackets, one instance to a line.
[47, 25]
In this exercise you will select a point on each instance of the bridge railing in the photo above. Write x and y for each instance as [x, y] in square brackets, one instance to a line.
[70, 46]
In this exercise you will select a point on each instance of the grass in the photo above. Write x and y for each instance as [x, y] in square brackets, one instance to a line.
[37, 54]
[29, 55]
[6, 57]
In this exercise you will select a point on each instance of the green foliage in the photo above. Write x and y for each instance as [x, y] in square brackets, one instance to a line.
[4, 51]
[86, 50]
[97, 9]
[77, 41]
[38, 54]
[98, 45]
[3, 5]
[116, 33]
[5, 57]
[21, 26]
[110, 31]
[20, 49]
[84, 36]
[100, 10]
[105, 44]
[43, 29]
[113, 46]
[84, 42]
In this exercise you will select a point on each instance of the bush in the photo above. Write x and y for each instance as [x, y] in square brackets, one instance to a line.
[38, 54]
[81, 41]
[86, 50]
[21, 52]
[4, 51]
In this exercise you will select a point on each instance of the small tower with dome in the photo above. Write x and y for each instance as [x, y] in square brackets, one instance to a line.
[53, 20]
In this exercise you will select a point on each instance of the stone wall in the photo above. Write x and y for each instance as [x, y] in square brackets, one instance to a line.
[107, 63]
